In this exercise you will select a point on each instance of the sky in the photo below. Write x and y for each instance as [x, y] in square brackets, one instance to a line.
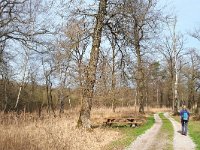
[188, 18]
[188, 13]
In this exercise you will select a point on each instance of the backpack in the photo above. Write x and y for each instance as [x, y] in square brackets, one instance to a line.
[185, 115]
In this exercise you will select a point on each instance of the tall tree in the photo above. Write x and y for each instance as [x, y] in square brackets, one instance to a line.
[171, 48]
[196, 34]
[90, 73]
[141, 26]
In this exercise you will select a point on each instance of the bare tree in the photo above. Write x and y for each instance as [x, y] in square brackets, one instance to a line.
[191, 72]
[113, 84]
[171, 49]
[48, 70]
[84, 118]
[16, 17]
[140, 27]
[3, 77]
[78, 34]
[24, 70]
[196, 34]
[62, 57]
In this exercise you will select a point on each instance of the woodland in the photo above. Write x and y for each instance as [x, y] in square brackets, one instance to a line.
[74, 54]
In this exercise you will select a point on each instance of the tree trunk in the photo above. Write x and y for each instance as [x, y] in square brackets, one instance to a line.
[140, 73]
[198, 106]
[191, 88]
[5, 103]
[161, 99]
[49, 94]
[113, 77]
[84, 118]
[157, 96]
[18, 95]
[135, 104]
[61, 99]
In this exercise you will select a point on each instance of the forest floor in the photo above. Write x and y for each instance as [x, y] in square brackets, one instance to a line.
[155, 139]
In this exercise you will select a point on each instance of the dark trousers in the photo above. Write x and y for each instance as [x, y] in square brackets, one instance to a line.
[184, 126]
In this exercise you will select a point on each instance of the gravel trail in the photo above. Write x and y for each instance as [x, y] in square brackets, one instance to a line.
[146, 140]
[181, 142]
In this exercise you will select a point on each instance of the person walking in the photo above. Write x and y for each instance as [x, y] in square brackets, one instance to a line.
[185, 115]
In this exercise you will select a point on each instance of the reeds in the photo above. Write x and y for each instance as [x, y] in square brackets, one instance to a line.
[29, 132]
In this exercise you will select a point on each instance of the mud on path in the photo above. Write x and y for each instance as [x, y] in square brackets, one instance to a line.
[147, 140]
[180, 142]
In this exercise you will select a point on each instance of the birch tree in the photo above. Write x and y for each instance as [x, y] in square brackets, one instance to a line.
[172, 49]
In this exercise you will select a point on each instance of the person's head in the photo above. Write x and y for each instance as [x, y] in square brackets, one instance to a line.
[184, 107]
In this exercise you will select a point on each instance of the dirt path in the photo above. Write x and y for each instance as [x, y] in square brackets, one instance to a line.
[181, 142]
[148, 139]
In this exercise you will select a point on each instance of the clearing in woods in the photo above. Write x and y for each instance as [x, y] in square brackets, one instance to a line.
[151, 139]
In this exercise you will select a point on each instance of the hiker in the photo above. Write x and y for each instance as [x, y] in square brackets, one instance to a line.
[184, 120]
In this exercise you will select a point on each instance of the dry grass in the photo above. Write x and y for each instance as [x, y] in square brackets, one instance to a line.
[157, 110]
[27, 131]
[49, 133]
[119, 112]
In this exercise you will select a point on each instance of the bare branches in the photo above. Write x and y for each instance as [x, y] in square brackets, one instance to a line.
[196, 34]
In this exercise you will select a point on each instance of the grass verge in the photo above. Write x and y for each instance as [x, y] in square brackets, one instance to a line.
[129, 135]
[167, 131]
[194, 131]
